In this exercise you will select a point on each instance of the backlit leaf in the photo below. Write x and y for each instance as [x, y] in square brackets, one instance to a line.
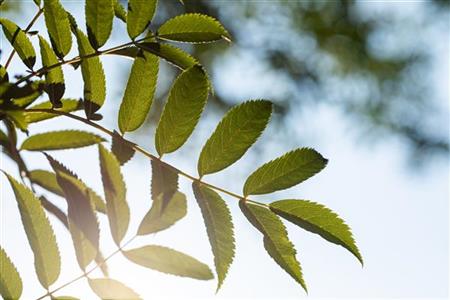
[59, 140]
[20, 42]
[164, 181]
[121, 149]
[39, 233]
[119, 11]
[169, 53]
[139, 92]
[285, 171]
[58, 26]
[169, 261]
[68, 105]
[3, 74]
[193, 28]
[111, 289]
[318, 219]
[186, 101]
[64, 298]
[276, 241]
[10, 281]
[219, 227]
[99, 20]
[234, 135]
[140, 14]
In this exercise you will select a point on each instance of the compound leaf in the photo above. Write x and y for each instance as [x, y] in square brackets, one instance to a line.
[20, 42]
[58, 140]
[99, 21]
[10, 281]
[107, 288]
[58, 27]
[68, 105]
[140, 14]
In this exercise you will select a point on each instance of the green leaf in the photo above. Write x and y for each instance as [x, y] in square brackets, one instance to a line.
[68, 105]
[169, 261]
[99, 21]
[288, 170]
[121, 149]
[37, 2]
[58, 27]
[20, 42]
[276, 241]
[54, 78]
[115, 194]
[107, 288]
[186, 101]
[234, 135]
[219, 227]
[93, 77]
[164, 181]
[119, 11]
[318, 219]
[158, 219]
[59, 140]
[193, 28]
[18, 118]
[3, 74]
[64, 298]
[140, 14]
[10, 281]
[139, 92]
[39, 233]
[171, 54]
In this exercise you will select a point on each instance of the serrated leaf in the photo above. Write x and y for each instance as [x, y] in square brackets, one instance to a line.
[111, 289]
[39, 233]
[164, 181]
[99, 21]
[219, 227]
[59, 140]
[93, 77]
[288, 170]
[58, 27]
[193, 28]
[276, 241]
[54, 78]
[115, 194]
[158, 219]
[186, 101]
[139, 92]
[10, 281]
[121, 149]
[68, 105]
[119, 11]
[20, 42]
[18, 118]
[318, 219]
[169, 53]
[140, 14]
[169, 261]
[234, 135]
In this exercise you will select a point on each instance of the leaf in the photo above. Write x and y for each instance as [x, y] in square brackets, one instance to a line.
[121, 148]
[59, 140]
[158, 219]
[169, 261]
[99, 21]
[58, 27]
[3, 74]
[169, 53]
[10, 281]
[318, 219]
[18, 118]
[139, 92]
[276, 241]
[140, 14]
[64, 298]
[54, 78]
[68, 105]
[119, 11]
[20, 42]
[288, 170]
[234, 135]
[93, 77]
[186, 101]
[39, 233]
[115, 194]
[164, 181]
[111, 289]
[219, 227]
[193, 28]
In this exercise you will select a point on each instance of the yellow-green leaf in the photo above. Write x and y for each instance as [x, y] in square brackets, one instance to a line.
[169, 53]
[20, 42]
[164, 181]
[39, 233]
[140, 14]
[119, 11]
[115, 194]
[58, 27]
[110, 289]
[10, 281]
[276, 241]
[59, 140]
[186, 101]
[139, 92]
[3, 75]
[219, 227]
[99, 21]
[318, 219]
[193, 28]
[121, 148]
[54, 78]
[234, 135]
[169, 261]
[68, 105]
[288, 170]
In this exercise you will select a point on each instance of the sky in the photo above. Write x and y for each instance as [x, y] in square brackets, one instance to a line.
[399, 217]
